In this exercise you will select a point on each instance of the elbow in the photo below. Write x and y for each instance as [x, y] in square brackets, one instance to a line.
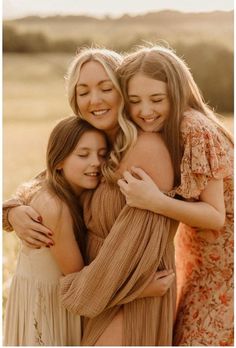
[218, 222]
[78, 309]
[221, 221]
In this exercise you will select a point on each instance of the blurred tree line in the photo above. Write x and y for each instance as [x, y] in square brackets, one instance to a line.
[211, 64]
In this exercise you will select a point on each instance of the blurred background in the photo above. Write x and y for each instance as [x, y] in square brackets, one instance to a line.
[40, 39]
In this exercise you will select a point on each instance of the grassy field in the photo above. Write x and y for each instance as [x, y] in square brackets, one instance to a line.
[34, 99]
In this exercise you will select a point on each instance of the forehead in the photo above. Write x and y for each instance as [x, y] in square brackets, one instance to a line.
[92, 71]
[141, 83]
[90, 139]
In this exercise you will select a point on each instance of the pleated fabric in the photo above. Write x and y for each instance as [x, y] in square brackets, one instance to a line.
[34, 315]
[125, 247]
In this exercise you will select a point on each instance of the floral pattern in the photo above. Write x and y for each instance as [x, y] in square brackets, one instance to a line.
[204, 258]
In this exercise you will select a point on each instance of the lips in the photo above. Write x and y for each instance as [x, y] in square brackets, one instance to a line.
[99, 112]
[92, 174]
[149, 119]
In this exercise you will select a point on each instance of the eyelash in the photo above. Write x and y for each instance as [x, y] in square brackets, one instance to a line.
[154, 101]
[103, 90]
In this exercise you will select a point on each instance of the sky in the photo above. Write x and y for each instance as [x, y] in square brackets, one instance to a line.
[114, 8]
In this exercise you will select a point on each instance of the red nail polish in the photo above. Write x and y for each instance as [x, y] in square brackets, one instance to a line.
[39, 218]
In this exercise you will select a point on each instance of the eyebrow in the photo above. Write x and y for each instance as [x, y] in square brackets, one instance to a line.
[89, 148]
[85, 85]
[152, 95]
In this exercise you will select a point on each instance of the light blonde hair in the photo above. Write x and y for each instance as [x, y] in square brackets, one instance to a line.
[127, 134]
[161, 63]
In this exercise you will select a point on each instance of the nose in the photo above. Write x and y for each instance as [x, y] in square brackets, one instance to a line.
[146, 109]
[95, 98]
[95, 161]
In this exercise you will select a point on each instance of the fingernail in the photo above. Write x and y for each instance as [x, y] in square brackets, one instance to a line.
[39, 218]
[50, 234]
[51, 243]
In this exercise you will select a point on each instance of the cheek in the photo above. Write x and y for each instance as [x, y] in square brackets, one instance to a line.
[132, 110]
[81, 103]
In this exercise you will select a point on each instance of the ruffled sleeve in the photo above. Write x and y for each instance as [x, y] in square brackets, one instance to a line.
[22, 196]
[204, 156]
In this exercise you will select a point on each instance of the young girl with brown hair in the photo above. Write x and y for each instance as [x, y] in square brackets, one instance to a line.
[34, 315]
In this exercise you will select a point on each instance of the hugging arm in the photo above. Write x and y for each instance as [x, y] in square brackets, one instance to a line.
[25, 220]
[143, 193]
[130, 255]
[205, 164]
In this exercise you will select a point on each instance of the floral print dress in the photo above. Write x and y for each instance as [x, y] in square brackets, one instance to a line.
[204, 258]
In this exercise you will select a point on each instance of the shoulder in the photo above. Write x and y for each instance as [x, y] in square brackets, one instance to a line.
[151, 154]
[196, 122]
[51, 208]
[149, 144]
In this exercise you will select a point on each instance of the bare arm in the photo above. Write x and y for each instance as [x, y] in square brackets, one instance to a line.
[57, 217]
[23, 219]
[209, 212]
[159, 284]
[27, 223]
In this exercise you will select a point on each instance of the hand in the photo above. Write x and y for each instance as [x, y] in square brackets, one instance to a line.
[28, 226]
[140, 193]
[159, 284]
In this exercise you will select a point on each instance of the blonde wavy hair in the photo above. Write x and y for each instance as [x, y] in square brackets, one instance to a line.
[127, 134]
[161, 63]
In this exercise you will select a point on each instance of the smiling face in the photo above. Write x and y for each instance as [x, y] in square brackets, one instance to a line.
[82, 168]
[149, 104]
[97, 98]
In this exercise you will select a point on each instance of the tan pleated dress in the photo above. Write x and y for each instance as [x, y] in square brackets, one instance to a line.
[34, 314]
[125, 247]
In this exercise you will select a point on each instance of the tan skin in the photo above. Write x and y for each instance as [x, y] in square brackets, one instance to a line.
[94, 97]
[149, 107]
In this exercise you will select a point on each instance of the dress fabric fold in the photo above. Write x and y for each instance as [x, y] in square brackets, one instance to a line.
[125, 247]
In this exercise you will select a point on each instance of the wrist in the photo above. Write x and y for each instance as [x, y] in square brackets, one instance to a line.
[10, 215]
[161, 203]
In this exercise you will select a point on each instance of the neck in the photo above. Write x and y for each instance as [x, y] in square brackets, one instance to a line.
[111, 134]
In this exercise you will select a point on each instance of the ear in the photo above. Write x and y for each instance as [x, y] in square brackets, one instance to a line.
[59, 167]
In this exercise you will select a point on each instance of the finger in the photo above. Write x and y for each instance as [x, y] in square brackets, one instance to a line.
[36, 226]
[141, 173]
[122, 184]
[37, 243]
[128, 177]
[30, 245]
[163, 273]
[33, 214]
[41, 238]
[123, 192]
[169, 279]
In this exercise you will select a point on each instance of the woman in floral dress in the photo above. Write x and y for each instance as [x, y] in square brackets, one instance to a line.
[204, 242]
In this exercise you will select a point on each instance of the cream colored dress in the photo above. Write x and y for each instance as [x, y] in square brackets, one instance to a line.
[34, 315]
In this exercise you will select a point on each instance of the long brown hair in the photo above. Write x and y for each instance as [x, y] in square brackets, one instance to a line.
[62, 141]
[163, 64]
